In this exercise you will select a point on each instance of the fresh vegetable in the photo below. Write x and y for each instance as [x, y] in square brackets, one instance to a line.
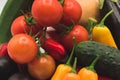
[20, 76]
[12, 7]
[22, 48]
[72, 75]
[79, 32]
[88, 72]
[55, 49]
[42, 68]
[3, 49]
[113, 21]
[102, 34]
[90, 8]
[24, 24]
[72, 12]
[7, 67]
[47, 13]
[108, 64]
[63, 69]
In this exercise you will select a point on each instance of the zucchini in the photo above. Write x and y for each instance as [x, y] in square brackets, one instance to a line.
[109, 62]
[10, 11]
[113, 21]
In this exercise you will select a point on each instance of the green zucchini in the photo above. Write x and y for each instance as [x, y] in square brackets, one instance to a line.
[10, 11]
[108, 63]
[113, 21]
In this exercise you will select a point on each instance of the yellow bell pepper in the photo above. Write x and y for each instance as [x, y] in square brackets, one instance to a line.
[101, 33]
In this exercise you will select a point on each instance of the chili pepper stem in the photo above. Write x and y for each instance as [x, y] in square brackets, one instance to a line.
[91, 66]
[104, 18]
[71, 55]
[73, 70]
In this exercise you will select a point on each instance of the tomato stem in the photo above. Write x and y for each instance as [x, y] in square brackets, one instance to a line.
[71, 55]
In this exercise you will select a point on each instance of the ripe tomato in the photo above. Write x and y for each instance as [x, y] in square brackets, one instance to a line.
[79, 32]
[22, 48]
[42, 68]
[47, 12]
[72, 12]
[19, 25]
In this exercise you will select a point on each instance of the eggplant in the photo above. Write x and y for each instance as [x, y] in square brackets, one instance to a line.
[7, 67]
[113, 21]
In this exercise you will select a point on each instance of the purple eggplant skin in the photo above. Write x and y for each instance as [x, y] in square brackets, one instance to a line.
[20, 76]
[113, 21]
[7, 67]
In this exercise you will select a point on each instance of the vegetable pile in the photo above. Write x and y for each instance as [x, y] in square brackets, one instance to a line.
[58, 40]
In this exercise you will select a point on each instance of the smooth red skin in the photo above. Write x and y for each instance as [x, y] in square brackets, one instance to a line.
[42, 68]
[79, 32]
[47, 12]
[55, 49]
[19, 25]
[3, 49]
[22, 48]
[72, 12]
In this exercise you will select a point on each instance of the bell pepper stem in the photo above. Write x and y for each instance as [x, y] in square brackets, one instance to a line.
[104, 18]
[71, 55]
[92, 65]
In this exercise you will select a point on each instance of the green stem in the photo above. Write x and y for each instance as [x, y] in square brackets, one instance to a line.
[71, 55]
[101, 4]
[91, 66]
[104, 18]
[73, 70]
[61, 2]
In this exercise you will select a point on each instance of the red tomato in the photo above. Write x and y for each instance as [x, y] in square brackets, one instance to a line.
[47, 12]
[42, 68]
[72, 12]
[22, 48]
[19, 25]
[3, 49]
[79, 32]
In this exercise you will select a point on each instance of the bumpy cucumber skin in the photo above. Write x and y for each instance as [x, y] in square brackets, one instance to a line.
[108, 63]
[10, 11]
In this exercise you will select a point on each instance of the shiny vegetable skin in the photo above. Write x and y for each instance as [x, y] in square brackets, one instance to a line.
[113, 21]
[10, 11]
[109, 62]
[102, 34]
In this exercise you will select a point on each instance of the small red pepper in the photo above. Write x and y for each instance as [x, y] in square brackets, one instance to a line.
[3, 49]
[55, 49]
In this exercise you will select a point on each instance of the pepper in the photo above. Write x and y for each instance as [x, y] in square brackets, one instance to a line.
[72, 75]
[101, 33]
[10, 11]
[54, 48]
[88, 72]
[63, 69]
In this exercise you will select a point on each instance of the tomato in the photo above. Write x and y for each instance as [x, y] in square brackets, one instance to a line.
[22, 48]
[42, 68]
[72, 12]
[79, 32]
[47, 12]
[19, 25]
[3, 49]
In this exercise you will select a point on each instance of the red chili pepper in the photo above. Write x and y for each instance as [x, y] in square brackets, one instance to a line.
[3, 49]
[55, 49]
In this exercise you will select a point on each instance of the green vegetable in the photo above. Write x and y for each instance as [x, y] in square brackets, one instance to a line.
[10, 11]
[108, 63]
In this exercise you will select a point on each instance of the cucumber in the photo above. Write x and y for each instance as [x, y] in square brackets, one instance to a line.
[108, 63]
[10, 11]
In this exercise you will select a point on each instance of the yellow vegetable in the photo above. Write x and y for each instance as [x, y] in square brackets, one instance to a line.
[101, 33]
